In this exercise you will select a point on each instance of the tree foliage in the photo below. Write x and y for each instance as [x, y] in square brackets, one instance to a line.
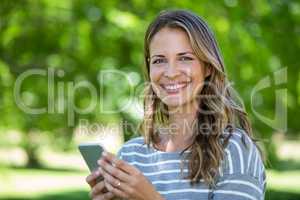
[77, 39]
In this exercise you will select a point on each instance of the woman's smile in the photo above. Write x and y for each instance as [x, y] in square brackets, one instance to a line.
[175, 88]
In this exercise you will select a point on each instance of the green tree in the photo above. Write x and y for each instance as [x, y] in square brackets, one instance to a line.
[76, 40]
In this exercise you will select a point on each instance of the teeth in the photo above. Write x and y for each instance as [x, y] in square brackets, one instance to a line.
[175, 86]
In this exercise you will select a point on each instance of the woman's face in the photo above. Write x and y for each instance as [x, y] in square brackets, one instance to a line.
[176, 73]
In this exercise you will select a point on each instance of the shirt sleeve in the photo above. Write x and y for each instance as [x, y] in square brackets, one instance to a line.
[243, 174]
[238, 187]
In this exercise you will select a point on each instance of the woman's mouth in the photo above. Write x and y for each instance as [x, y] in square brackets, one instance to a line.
[174, 88]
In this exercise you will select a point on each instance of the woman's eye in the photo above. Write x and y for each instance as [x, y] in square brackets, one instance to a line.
[186, 58]
[158, 61]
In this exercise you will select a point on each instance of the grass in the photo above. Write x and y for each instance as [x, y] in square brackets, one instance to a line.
[34, 183]
[288, 181]
[63, 175]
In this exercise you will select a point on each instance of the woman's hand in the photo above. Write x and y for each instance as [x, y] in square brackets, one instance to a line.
[98, 190]
[125, 180]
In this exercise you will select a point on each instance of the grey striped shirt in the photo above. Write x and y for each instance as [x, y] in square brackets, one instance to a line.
[242, 173]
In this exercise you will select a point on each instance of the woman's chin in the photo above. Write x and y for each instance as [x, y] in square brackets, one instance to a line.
[174, 103]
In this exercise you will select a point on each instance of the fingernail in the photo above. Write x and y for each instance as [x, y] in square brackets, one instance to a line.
[100, 162]
[97, 172]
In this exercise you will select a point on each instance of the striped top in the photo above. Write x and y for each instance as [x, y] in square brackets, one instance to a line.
[242, 173]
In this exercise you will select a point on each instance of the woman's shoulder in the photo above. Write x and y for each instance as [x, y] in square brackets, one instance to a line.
[135, 141]
[242, 155]
[242, 169]
[134, 144]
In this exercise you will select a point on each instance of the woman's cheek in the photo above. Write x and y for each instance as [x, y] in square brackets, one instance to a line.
[155, 73]
[155, 77]
[156, 88]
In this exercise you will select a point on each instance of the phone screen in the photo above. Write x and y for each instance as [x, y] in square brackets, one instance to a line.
[91, 153]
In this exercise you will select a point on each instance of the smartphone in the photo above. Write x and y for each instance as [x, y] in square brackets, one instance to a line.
[91, 153]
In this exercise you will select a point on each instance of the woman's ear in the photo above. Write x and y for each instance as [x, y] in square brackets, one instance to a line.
[208, 69]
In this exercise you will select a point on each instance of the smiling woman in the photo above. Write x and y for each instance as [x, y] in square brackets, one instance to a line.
[196, 140]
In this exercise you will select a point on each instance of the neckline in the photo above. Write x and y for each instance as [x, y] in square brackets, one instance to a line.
[170, 152]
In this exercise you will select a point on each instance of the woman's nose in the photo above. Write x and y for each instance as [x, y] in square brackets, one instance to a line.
[171, 70]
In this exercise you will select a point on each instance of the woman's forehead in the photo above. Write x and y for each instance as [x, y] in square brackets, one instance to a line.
[170, 40]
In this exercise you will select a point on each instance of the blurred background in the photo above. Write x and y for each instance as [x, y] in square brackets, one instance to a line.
[56, 89]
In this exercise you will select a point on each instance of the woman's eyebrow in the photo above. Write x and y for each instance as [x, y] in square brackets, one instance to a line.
[159, 55]
[186, 52]
[180, 54]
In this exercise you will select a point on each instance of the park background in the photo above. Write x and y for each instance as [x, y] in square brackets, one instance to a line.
[77, 39]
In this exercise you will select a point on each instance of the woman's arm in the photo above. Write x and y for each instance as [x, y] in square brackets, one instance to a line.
[243, 170]
[238, 186]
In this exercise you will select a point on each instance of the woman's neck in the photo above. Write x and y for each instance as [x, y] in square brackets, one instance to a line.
[181, 118]
[178, 135]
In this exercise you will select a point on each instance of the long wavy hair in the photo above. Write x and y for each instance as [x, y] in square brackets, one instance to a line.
[218, 107]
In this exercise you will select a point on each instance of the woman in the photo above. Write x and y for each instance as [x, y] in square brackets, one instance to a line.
[196, 141]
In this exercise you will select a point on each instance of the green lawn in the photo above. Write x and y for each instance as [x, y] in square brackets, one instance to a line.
[18, 183]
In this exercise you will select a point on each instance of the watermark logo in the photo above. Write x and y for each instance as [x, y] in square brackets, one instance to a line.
[279, 121]
[130, 93]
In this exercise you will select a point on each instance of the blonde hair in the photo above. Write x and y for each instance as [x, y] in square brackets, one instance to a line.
[221, 112]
